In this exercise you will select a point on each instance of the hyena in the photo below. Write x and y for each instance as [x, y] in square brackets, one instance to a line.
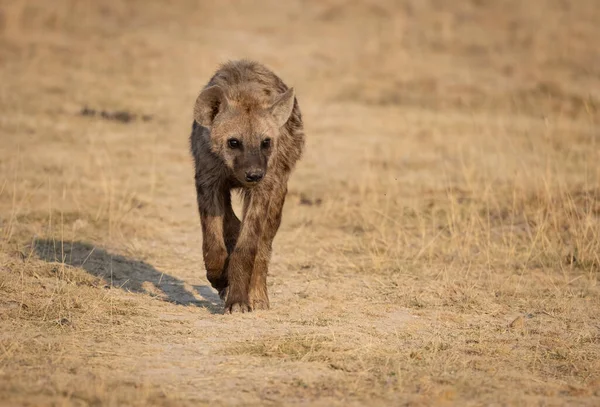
[247, 135]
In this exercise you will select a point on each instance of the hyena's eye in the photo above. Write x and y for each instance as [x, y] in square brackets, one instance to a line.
[266, 143]
[234, 143]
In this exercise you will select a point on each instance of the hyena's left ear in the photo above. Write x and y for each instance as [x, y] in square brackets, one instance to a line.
[209, 103]
[282, 108]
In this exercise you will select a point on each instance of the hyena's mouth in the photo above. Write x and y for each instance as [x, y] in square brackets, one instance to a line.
[250, 184]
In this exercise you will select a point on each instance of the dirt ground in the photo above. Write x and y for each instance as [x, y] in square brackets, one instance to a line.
[441, 237]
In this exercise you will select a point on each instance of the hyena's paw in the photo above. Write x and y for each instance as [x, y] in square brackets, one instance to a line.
[237, 307]
[236, 303]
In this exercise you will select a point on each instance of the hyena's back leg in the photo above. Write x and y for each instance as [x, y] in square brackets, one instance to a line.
[211, 206]
[258, 295]
[231, 226]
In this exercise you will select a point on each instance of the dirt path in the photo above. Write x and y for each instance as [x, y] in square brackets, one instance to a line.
[440, 237]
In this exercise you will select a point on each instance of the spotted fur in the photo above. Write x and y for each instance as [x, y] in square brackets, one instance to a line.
[246, 101]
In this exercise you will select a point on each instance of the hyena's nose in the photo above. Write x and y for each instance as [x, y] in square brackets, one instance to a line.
[254, 175]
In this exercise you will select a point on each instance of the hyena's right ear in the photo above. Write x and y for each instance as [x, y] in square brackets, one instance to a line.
[210, 101]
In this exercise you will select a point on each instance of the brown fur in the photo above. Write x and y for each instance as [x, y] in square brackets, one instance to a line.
[247, 102]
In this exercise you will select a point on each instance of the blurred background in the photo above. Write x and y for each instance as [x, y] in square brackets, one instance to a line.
[535, 58]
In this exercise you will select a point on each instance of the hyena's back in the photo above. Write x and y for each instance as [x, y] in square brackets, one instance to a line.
[243, 79]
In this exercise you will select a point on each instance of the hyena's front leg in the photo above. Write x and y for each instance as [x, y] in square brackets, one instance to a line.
[214, 250]
[258, 296]
[242, 259]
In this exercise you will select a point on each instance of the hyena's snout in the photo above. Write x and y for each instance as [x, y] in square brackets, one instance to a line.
[254, 168]
[254, 175]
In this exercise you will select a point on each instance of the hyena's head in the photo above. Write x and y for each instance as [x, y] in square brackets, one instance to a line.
[244, 131]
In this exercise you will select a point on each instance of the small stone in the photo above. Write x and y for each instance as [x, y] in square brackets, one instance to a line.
[518, 323]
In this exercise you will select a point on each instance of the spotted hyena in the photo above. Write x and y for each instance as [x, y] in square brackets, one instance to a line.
[247, 135]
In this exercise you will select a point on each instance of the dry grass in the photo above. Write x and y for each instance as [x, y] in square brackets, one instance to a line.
[441, 238]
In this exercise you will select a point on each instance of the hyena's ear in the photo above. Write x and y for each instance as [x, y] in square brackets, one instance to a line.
[210, 101]
[282, 108]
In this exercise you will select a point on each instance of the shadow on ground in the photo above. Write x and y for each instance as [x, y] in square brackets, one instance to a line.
[126, 273]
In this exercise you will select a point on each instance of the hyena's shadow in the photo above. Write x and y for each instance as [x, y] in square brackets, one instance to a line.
[125, 273]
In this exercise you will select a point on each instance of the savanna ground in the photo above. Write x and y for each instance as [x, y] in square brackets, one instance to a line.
[441, 237]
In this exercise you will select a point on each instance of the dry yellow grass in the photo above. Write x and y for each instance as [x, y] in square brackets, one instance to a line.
[441, 237]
